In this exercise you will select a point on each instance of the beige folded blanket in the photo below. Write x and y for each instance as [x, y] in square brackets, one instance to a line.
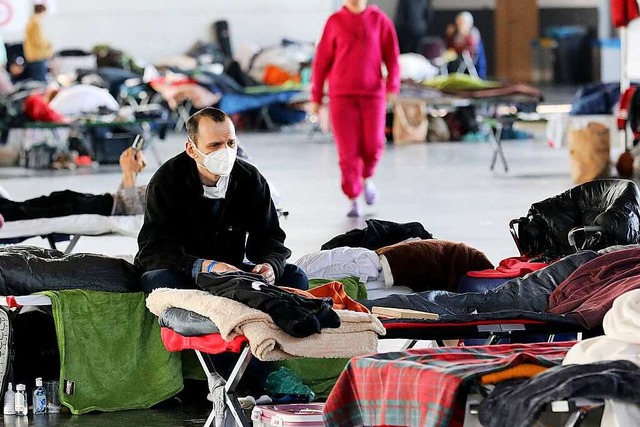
[356, 336]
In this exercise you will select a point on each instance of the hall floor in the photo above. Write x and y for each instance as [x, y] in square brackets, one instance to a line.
[448, 187]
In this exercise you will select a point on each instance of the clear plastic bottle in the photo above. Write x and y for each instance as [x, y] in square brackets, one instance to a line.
[22, 407]
[39, 398]
[9, 401]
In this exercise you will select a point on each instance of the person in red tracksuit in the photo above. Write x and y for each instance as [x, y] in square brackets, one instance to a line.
[356, 41]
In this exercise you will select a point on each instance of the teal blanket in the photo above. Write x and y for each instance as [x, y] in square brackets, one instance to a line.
[111, 353]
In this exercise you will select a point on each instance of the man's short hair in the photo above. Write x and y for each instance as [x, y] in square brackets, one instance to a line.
[39, 8]
[215, 114]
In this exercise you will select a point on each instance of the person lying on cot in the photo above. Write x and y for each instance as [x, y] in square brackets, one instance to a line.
[207, 211]
[128, 200]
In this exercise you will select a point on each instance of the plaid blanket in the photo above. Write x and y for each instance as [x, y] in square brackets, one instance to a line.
[423, 387]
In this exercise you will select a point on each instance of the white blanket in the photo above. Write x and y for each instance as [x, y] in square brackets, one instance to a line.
[88, 225]
[378, 289]
[356, 336]
[621, 326]
[341, 262]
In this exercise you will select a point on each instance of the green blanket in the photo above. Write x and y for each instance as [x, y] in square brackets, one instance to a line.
[111, 352]
[457, 81]
[352, 286]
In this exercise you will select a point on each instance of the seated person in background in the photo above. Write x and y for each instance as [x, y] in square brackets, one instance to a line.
[128, 200]
[464, 37]
[207, 210]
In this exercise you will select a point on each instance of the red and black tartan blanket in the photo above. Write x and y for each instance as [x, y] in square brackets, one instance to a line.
[423, 387]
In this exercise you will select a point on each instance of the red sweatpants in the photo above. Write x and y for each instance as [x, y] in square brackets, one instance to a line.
[358, 128]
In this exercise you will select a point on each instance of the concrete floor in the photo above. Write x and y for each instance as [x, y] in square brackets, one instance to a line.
[186, 416]
[447, 187]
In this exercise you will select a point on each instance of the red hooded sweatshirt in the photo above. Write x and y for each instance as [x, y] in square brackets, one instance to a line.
[351, 52]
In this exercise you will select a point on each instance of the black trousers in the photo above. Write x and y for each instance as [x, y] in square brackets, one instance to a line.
[292, 277]
[58, 203]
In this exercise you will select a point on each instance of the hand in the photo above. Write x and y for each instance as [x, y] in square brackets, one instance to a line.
[220, 267]
[131, 162]
[391, 97]
[266, 271]
[315, 108]
[141, 161]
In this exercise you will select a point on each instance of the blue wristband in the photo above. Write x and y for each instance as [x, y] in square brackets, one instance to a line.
[210, 266]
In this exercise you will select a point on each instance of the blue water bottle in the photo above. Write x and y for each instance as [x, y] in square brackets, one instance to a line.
[39, 398]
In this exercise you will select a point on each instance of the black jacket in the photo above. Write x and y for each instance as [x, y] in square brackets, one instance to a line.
[180, 226]
[378, 234]
[296, 315]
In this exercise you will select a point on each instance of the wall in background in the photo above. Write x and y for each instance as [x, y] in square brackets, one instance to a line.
[552, 13]
[152, 29]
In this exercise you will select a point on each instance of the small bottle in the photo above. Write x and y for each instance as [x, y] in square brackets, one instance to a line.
[21, 406]
[39, 398]
[9, 401]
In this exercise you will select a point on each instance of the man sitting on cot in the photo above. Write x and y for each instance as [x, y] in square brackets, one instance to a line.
[207, 211]
[128, 200]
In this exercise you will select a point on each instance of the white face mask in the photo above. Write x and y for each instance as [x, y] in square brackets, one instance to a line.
[220, 162]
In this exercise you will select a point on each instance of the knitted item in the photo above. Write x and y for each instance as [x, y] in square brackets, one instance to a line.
[431, 264]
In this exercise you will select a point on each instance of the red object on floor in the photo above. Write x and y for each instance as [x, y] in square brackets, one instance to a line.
[84, 161]
[211, 343]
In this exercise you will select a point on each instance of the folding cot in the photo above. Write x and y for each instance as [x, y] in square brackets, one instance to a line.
[212, 344]
[84, 125]
[412, 330]
[506, 324]
[429, 386]
[489, 100]
[491, 328]
[70, 228]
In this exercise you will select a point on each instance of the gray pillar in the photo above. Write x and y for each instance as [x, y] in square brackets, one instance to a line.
[604, 20]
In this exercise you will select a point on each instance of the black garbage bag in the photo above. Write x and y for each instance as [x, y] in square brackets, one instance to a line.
[613, 204]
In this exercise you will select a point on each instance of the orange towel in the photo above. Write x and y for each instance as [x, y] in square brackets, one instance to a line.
[526, 370]
[276, 76]
[335, 291]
